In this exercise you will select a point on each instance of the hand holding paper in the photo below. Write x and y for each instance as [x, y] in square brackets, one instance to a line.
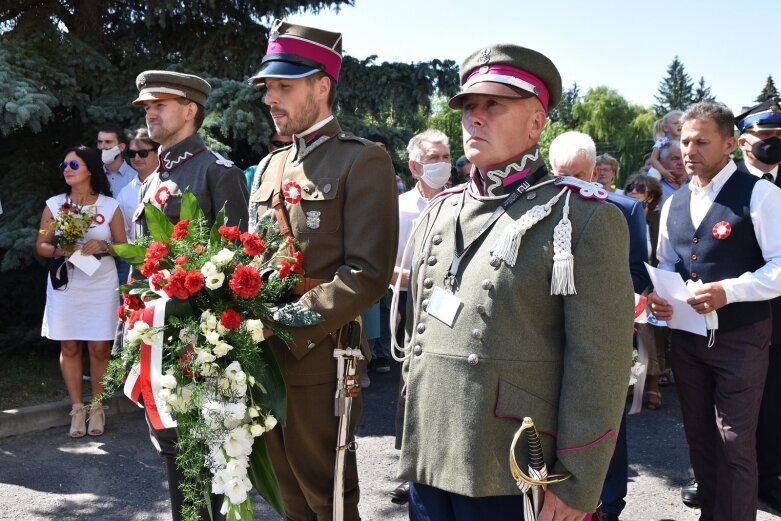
[670, 287]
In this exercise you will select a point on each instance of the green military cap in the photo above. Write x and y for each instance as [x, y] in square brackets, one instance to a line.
[509, 71]
[297, 51]
[159, 85]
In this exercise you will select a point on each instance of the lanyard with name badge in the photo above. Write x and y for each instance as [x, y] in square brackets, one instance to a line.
[511, 199]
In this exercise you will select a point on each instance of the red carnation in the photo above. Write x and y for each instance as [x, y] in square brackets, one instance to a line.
[181, 259]
[193, 281]
[229, 232]
[299, 265]
[122, 312]
[186, 361]
[158, 280]
[245, 282]
[132, 301]
[284, 268]
[175, 287]
[157, 250]
[230, 318]
[150, 266]
[198, 248]
[180, 229]
[252, 243]
[135, 316]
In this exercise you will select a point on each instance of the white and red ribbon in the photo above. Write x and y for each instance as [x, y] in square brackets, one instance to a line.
[143, 381]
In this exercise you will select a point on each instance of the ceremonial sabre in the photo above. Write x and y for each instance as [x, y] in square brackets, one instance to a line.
[347, 388]
[532, 485]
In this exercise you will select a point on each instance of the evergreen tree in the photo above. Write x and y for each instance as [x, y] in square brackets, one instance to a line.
[768, 91]
[702, 93]
[676, 91]
[563, 112]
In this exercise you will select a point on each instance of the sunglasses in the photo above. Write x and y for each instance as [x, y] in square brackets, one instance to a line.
[143, 152]
[280, 144]
[74, 165]
[635, 187]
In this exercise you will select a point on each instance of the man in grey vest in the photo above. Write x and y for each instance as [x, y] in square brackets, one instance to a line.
[721, 233]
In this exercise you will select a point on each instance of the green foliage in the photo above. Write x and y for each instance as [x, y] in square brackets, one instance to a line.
[676, 91]
[563, 112]
[549, 133]
[448, 121]
[768, 91]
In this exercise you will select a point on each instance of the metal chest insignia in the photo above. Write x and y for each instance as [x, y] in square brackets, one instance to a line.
[313, 219]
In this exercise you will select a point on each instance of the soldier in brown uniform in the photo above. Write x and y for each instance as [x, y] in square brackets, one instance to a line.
[346, 222]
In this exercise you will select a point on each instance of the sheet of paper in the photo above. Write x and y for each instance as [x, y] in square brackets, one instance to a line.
[670, 286]
[86, 263]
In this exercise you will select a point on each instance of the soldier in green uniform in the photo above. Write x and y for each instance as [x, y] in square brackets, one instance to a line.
[337, 193]
[175, 105]
[509, 273]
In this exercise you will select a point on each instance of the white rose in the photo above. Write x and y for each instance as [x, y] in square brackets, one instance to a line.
[214, 281]
[212, 337]
[255, 328]
[168, 381]
[223, 257]
[222, 349]
[253, 412]
[270, 422]
[187, 336]
[256, 430]
[232, 370]
[208, 321]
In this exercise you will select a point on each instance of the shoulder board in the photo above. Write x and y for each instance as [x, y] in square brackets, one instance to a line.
[347, 136]
[584, 189]
[222, 161]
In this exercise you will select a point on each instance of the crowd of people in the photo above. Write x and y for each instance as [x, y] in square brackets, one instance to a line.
[482, 279]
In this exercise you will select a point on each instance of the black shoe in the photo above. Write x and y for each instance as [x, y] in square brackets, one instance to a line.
[689, 494]
[400, 494]
[771, 494]
[609, 517]
[382, 365]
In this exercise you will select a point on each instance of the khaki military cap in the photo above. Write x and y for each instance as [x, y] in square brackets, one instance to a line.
[509, 71]
[158, 85]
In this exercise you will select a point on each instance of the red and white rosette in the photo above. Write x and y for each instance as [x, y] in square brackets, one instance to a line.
[292, 191]
[162, 195]
[722, 229]
[98, 218]
[143, 381]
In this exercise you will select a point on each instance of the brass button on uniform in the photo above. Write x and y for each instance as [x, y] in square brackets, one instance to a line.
[696, 240]
[437, 239]
[327, 188]
[694, 257]
[694, 274]
[472, 359]
[480, 309]
[428, 282]
[425, 303]
[417, 349]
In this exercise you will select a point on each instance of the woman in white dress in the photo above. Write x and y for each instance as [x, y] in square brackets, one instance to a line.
[84, 309]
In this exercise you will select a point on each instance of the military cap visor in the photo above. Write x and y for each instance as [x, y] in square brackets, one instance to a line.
[282, 66]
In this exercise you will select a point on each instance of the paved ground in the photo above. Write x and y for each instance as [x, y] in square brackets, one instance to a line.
[46, 475]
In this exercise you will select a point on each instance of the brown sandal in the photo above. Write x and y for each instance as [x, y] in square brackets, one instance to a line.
[653, 400]
[97, 419]
[78, 420]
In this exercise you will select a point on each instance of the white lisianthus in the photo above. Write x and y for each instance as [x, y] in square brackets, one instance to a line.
[134, 336]
[270, 422]
[255, 328]
[204, 356]
[216, 458]
[187, 336]
[238, 443]
[233, 369]
[208, 321]
[219, 481]
[222, 349]
[236, 490]
[252, 412]
[208, 269]
[240, 389]
[214, 281]
[256, 430]
[150, 336]
[209, 369]
[212, 337]
[222, 258]
[237, 466]
[233, 414]
[168, 381]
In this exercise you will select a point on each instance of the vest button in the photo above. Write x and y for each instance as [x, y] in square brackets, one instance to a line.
[694, 257]
[696, 240]
[421, 328]
[694, 274]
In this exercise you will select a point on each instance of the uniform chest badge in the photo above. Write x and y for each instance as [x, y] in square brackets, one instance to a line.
[313, 219]
[722, 229]
[291, 191]
[162, 195]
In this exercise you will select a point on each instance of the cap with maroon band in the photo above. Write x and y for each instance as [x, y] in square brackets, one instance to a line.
[296, 51]
[509, 71]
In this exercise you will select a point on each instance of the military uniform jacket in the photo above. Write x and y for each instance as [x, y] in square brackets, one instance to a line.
[347, 226]
[514, 350]
[214, 180]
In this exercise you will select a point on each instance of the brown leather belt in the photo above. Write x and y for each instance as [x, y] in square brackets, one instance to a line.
[307, 283]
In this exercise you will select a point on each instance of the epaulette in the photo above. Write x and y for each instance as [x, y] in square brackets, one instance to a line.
[584, 189]
[347, 136]
[221, 160]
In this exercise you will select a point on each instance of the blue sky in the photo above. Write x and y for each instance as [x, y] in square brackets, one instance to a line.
[626, 45]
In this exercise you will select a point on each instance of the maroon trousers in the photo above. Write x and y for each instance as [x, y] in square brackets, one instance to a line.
[720, 390]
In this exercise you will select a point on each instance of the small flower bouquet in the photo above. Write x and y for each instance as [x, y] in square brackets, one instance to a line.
[71, 223]
[194, 339]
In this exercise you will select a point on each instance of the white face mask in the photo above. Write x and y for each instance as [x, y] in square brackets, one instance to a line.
[436, 175]
[108, 156]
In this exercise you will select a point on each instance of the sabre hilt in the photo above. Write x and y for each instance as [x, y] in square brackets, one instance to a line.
[346, 363]
[535, 458]
[533, 445]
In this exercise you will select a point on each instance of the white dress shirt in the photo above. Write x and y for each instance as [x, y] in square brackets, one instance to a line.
[128, 202]
[759, 173]
[411, 204]
[765, 211]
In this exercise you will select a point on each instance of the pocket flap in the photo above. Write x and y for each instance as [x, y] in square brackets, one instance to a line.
[263, 193]
[516, 403]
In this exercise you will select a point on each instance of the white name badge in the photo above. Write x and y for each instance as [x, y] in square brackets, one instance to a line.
[443, 306]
